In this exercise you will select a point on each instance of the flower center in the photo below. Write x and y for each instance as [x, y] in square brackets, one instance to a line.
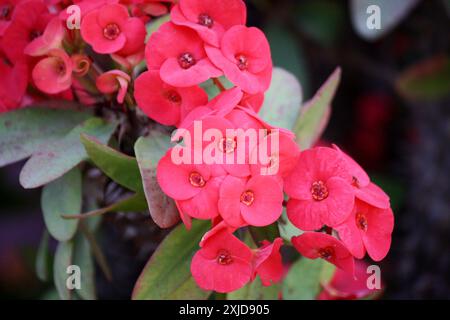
[205, 20]
[242, 62]
[173, 96]
[247, 197]
[111, 31]
[224, 258]
[196, 180]
[61, 67]
[35, 34]
[361, 221]
[5, 12]
[227, 145]
[326, 253]
[186, 60]
[355, 182]
[319, 190]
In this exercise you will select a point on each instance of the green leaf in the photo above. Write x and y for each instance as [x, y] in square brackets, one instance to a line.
[256, 291]
[167, 274]
[43, 258]
[391, 14]
[268, 233]
[154, 25]
[63, 259]
[315, 113]
[322, 21]
[304, 279]
[62, 196]
[212, 90]
[427, 80]
[82, 257]
[286, 228]
[283, 100]
[287, 52]
[119, 167]
[149, 150]
[25, 131]
[56, 158]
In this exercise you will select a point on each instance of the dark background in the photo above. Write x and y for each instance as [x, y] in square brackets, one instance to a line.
[402, 142]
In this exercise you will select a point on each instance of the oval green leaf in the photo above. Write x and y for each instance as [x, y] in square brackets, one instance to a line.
[316, 112]
[119, 167]
[149, 150]
[63, 259]
[56, 158]
[167, 274]
[283, 100]
[24, 131]
[305, 278]
[62, 196]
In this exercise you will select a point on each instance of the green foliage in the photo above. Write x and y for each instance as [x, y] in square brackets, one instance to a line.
[63, 259]
[305, 277]
[149, 150]
[82, 257]
[167, 274]
[256, 291]
[316, 112]
[322, 21]
[62, 196]
[119, 167]
[43, 258]
[286, 228]
[54, 159]
[427, 80]
[287, 52]
[283, 100]
[25, 131]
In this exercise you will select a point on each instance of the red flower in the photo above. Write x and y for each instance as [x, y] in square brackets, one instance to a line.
[210, 18]
[268, 263]
[226, 152]
[253, 101]
[257, 202]
[164, 103]
[343, 286]
[278, 161]
[13, 82]
[51, 39]
[6, 12]
[244, 56]
[110, 29]
[367, 228]
[224, 263]
[53, 74]
[193, 186]
[114, 81]
[28, 22]
[364, 189]
[315, 245]
[179, 54]
[320, 190]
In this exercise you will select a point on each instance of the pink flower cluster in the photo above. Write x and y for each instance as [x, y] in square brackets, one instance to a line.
[331, 199]
[327, 190]
[41, 56]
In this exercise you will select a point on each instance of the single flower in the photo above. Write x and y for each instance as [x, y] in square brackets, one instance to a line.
[320, 190]
[315, 245]
[367, 228]
[209, 18]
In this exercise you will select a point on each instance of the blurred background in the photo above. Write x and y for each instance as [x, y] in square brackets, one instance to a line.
[391, 113]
